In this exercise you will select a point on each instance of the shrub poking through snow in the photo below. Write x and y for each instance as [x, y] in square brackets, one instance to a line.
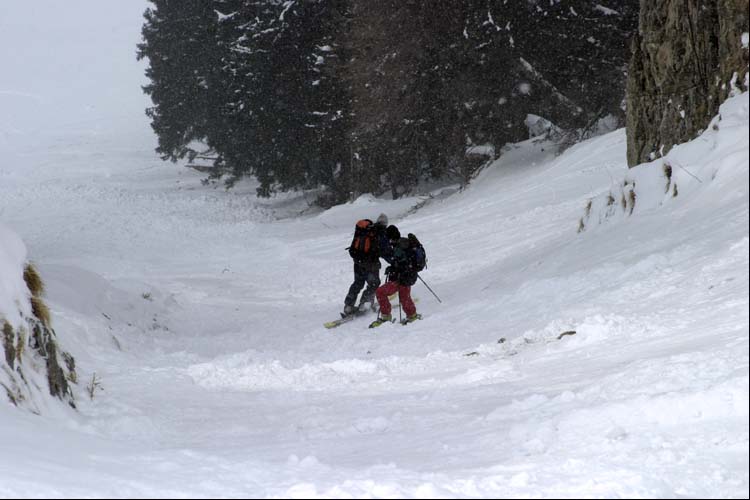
[668, 174]
[41, 311]
[93, 386]
[33, 280]
[36, 287]
[9, 344]
[70, 364]
[20, 344]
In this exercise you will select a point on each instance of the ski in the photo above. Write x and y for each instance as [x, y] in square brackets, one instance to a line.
[345, 319]
[357, 314]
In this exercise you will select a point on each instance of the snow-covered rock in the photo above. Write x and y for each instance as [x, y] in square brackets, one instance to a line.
[33, 367]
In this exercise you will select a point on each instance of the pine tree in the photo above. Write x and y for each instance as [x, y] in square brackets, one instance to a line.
[180, 45]
[284, 112]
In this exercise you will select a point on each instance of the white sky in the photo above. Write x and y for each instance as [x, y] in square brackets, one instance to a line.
[71, 63]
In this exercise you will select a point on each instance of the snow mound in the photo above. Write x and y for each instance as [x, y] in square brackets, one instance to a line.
[711, 167]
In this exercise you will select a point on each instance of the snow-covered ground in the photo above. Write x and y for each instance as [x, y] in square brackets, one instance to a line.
[201, 311]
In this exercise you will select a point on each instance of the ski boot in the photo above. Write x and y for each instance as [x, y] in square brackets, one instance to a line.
[411, 319]
[385, 318]
[348, 311]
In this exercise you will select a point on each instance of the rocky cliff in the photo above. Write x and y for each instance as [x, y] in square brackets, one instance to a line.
[687, 58]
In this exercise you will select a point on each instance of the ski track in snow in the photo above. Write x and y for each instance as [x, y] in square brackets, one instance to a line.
[201, 312]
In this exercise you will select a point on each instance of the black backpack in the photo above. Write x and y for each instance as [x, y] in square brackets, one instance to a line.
[364, 244]
[418, 252]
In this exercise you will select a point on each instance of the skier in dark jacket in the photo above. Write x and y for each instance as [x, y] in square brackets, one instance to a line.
[369, 243]
[406, 260]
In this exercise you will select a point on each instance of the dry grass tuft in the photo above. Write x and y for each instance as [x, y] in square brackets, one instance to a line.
[41, 311]
[91, 388]
[33, 280]
[8, 343]
[20, 345]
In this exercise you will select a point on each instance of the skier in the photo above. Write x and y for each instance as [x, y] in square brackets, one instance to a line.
[406, 260]
[369, 243]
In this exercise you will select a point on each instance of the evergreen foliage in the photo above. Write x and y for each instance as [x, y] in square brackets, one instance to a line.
[362, 96]
[180, 42]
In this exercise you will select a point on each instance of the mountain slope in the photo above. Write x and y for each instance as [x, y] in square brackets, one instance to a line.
[201, 312]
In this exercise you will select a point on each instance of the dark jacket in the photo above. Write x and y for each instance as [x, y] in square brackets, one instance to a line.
[402, 260]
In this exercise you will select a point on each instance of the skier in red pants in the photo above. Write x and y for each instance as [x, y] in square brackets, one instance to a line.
[401, 275]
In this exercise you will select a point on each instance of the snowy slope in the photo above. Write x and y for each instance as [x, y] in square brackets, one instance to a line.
[227, 384]
[201, 312]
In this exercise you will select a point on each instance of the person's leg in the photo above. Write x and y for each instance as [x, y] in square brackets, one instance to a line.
[404, 295]
[373, 282]
[360, 277]
[382, 293]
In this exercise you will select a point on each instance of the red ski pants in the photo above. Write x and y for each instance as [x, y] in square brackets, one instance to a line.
[404, 296]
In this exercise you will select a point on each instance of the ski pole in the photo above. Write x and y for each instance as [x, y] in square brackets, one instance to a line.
[430, 289]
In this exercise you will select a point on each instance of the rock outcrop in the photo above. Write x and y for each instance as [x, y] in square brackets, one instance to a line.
[32, 357]
[688, 57]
